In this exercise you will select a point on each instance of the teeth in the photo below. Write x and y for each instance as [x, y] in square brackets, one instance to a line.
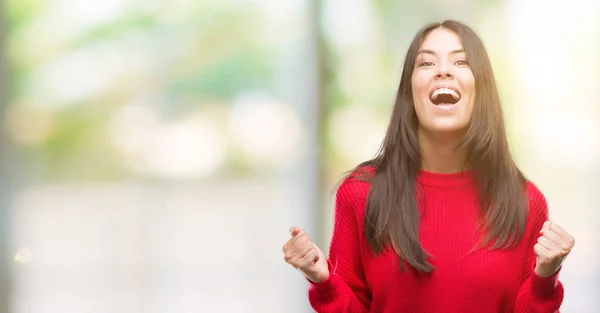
[447, 91]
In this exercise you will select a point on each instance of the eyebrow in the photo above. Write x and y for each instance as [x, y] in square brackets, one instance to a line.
[427, 51]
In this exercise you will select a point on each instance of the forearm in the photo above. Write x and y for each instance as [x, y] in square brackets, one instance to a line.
[540, 295]
[334, 295]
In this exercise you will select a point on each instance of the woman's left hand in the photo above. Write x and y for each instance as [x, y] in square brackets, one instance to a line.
[551, 249]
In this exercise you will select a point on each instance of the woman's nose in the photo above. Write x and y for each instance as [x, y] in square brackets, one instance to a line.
[444, 73]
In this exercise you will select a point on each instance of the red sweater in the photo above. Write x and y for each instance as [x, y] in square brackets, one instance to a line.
[483, 281]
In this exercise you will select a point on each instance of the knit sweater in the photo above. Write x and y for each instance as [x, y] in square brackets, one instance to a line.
[463, 281]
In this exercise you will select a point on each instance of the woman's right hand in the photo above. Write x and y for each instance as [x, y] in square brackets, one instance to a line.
[304, 255]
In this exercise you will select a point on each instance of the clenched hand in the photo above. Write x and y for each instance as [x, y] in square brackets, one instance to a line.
[551, 249]
[304, 255]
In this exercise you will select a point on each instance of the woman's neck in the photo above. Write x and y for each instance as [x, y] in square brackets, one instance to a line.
[439, 153]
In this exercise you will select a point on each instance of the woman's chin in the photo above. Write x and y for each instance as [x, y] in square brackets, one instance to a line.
[446, 126]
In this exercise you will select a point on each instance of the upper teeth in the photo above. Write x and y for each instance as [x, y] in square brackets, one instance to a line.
[449, 91]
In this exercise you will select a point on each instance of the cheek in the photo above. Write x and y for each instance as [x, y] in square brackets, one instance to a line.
[419, 79]
[471, 104]
[472, 93]
[414, 86]
[469, 83]
[468, 86]
[419, 90]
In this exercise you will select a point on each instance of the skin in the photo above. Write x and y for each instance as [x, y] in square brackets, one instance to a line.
[304, 255]
[551, 249]
[441, 62]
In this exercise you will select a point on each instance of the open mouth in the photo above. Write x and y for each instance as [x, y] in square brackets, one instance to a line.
[444, 96]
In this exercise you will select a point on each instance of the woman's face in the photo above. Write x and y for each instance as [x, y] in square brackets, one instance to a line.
[443, 85]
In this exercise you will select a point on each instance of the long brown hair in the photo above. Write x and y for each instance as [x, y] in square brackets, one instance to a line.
[392, 215]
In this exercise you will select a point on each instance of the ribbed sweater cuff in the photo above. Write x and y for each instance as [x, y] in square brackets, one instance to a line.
[326, 289]
[544, 287]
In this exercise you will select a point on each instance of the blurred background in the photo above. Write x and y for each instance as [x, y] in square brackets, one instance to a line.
[155, 153]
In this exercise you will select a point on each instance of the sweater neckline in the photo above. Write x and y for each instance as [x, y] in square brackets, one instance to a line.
[446, 180]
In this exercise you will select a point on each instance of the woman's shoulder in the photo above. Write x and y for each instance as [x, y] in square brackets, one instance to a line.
[358, 179]
[537, 204]
[353, 189]
[535, 195]
[360, 174]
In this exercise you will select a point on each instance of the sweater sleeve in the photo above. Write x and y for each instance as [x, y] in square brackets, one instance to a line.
[345, 290]
[538, 294]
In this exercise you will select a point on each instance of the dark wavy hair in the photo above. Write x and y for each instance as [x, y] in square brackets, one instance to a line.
[392, 215]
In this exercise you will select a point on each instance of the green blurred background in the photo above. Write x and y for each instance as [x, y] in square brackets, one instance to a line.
[156, 152]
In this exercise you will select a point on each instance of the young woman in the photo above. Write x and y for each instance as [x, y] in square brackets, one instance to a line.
[441, 220]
